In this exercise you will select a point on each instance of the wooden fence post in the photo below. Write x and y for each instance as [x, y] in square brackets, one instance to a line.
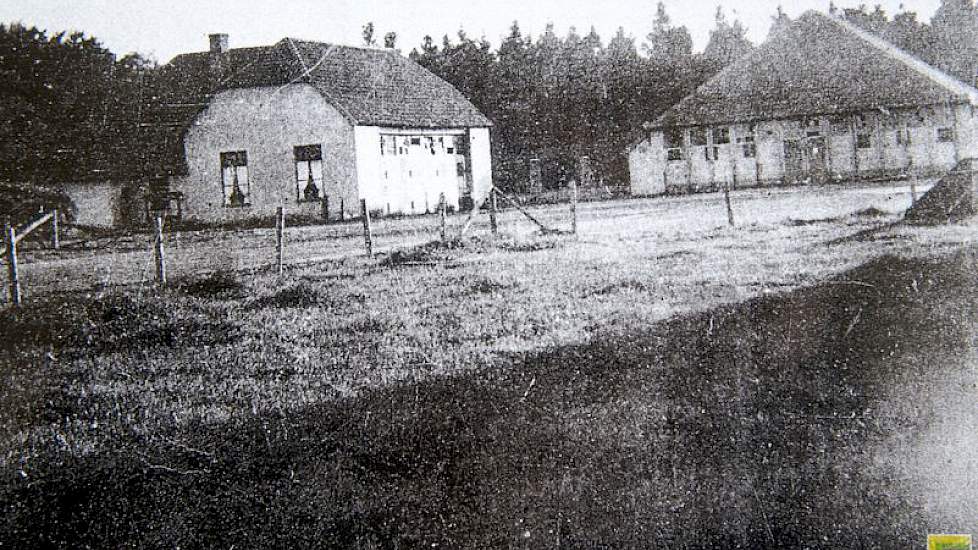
[10, 236]
[365, 215]
[325, 206]
[726, 198]
[442, 207]
[279, 239]
[573, 207]
[342, 210]
[55, 239]
[913, 186]
[158, 249]
[493, 224]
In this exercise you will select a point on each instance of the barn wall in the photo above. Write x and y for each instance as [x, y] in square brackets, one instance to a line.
[267, 123]
[407, 170]
[480, 149]
[96, 204]
[645, 162]
[830, 142]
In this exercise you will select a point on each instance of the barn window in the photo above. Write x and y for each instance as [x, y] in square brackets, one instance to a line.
[673, 140]
[234, 179]
[697, 137]
[712, 153]
[416, 141]
[945, 135]
[308, 172]
[903, 137]
[863, 141]
[746, 142]
[388, 145]
[721, 136]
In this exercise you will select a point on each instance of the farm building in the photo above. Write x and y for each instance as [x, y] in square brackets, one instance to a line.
[819, 101]
[304, 125]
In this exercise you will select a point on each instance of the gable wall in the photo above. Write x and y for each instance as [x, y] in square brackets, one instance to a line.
[268, 123]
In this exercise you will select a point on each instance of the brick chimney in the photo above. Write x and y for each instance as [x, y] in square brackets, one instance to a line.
[219, 43]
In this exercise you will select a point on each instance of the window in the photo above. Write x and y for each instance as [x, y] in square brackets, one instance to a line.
[673, 140]
[308, 172]
[234, 179]
[697, 136]
[863, 141]
[712, 153]
[945, 135]
[388, 145]
[746, 142]
[721, 136]
[903, 137]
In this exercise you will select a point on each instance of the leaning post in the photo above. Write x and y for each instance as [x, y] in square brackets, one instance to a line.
[10, 236]
[367, 237]
[279, 239]
[158, 253]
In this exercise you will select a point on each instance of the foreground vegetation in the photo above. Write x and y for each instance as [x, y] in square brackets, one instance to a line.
[792, 384]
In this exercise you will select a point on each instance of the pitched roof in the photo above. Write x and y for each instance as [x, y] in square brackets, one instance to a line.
[369, 86]
[819, 64]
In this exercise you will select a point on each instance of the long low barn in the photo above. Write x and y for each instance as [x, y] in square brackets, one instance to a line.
[819, 101]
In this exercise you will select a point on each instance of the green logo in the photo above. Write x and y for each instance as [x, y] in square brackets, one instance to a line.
[949, 542]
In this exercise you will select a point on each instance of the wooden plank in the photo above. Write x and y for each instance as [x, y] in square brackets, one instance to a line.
[523, 211]
[573, 207]
[30, 227]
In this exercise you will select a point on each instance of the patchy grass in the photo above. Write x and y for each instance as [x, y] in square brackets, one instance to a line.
[757, 386]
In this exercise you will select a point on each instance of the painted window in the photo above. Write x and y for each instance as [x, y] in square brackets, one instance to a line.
[234, 179]
[697, 137]
[945, 135]
[308, 172]
[863, 141]
[721, 136]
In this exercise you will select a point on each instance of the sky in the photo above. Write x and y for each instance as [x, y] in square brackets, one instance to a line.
[161, 29]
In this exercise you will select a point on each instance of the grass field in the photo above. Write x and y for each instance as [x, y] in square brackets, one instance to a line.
[805, 379]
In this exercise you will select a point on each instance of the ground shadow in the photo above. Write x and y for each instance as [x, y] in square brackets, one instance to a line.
[748, 426]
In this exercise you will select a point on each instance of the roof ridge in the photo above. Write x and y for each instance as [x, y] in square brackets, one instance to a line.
[920, 66]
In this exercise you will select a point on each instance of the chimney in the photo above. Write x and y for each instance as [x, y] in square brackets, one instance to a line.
[219, 43]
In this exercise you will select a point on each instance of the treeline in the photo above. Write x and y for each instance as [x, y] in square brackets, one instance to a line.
[72, 110]
[949, 41]
[559, 98]
[70, 107]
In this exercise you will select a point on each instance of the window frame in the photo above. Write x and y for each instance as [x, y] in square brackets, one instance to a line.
[945, 134]
[236, 160]
[309, 155]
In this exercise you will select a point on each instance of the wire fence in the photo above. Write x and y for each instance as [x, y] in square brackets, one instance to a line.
[168, 255]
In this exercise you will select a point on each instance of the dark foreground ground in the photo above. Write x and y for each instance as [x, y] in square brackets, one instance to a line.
[840, 415]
